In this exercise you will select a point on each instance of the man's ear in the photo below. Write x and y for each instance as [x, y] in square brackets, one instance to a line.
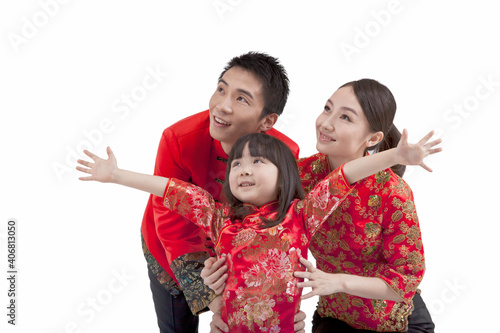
[374, 138]
[268, 122]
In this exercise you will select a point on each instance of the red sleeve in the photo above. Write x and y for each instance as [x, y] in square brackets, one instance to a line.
[402, 241]
[322, 201]
[177, 235]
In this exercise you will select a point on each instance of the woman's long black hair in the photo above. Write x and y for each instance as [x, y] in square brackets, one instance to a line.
[289, 184]
[379, 107]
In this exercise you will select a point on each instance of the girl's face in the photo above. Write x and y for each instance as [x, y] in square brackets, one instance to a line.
[253, 180]
[342, 130]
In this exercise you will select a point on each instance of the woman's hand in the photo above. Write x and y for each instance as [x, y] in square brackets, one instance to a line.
[214, 274]
[414, 154]
[321, 283]
[101, 170]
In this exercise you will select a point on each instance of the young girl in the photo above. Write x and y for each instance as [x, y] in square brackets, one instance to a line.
[266, 225]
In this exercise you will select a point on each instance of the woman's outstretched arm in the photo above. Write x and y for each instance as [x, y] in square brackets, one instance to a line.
[405, 153]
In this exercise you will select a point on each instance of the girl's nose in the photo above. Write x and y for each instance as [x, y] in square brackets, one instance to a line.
[246, 172]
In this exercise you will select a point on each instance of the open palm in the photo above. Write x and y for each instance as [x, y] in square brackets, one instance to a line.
[414, 154]
[101, 170]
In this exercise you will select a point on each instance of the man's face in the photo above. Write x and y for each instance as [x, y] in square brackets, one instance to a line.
[236, 107]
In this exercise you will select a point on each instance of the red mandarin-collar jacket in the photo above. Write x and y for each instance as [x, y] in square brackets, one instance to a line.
[187, 152]
[374, 233]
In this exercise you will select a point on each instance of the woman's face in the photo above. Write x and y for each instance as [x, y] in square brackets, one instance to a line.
[342, 130]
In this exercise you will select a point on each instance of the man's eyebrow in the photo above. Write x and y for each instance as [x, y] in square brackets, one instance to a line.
[243, 91]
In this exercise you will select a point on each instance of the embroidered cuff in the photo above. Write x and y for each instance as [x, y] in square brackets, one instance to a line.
[187, 269]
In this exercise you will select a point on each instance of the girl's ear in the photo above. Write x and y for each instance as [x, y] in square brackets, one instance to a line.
[374, 138]
[268, 122]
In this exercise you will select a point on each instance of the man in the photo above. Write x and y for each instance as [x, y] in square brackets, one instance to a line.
[251, 93]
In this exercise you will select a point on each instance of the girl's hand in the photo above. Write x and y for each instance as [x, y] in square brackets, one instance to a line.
[101, 170]
[414, 154]
[214, 274]
[321, 283]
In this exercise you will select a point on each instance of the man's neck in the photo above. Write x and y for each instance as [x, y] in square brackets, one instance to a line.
[226, 147]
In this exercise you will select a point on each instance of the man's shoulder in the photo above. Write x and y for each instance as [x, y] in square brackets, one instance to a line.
[294, 147]
[194, 126]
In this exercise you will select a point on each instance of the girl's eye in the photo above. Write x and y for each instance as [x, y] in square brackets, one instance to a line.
[345, 117]
[258, 161]
[327, 109]
[235, 164]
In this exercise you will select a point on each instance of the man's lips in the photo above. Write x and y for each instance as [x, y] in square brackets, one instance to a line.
[219, 121]
[325, 138]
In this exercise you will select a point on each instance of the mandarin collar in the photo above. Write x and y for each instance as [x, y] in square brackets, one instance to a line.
[264, 209]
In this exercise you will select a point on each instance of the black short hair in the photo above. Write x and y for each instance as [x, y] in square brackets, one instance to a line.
[289, 184]
[275, 83]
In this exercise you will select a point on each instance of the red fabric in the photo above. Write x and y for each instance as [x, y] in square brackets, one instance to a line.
[186, 152]
[261, 292]
[374, 233]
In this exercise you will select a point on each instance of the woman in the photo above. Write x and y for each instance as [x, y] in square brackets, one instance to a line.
[369, 254]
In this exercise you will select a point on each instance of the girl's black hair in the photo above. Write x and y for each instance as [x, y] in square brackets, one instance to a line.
[379, 107]
[289, 184]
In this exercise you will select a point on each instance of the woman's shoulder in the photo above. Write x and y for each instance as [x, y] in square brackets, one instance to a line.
[386, 182]
[317, 163]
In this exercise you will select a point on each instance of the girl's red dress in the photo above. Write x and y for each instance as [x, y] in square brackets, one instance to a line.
[261, 294]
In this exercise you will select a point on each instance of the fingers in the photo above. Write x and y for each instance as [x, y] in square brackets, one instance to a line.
[91, 155]
[423, 165]
[426, 138]
[208, 264]
[110, 153]
[308, 295]
[218, 325]
[404, 137]
[306, 263]
[79, 168]
[299, 322]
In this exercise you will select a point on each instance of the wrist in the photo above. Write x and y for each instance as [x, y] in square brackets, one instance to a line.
[216, 305]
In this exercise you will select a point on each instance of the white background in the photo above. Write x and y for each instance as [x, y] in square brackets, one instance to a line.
[67, 67]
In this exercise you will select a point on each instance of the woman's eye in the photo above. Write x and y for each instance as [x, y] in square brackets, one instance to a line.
[327, 109]
[345, 117]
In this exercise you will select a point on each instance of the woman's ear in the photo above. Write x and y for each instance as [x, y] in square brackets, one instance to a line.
[374, 138]
[268, 122]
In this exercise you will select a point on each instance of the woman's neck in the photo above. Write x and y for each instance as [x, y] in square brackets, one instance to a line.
[335, 161]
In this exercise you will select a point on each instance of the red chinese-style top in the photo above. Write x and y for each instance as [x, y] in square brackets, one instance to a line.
[261, 293]
[373, 233]
[175, 248]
